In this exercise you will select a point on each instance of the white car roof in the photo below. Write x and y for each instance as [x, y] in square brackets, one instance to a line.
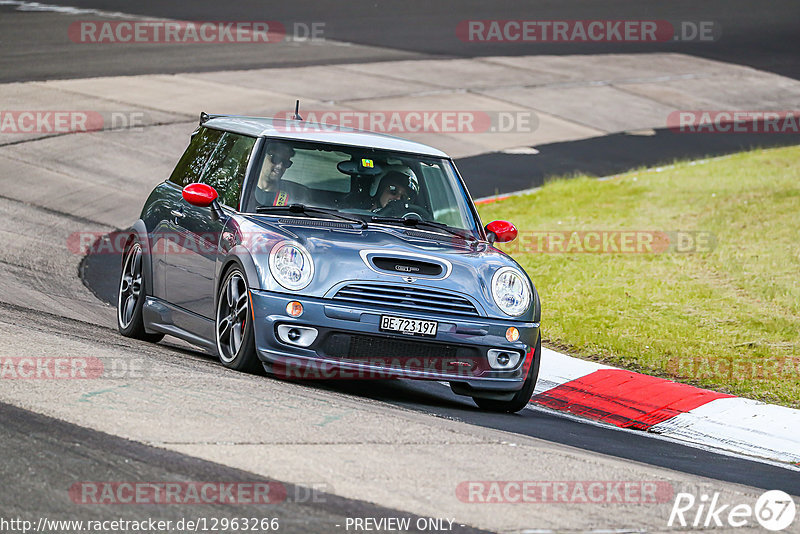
[315, 132]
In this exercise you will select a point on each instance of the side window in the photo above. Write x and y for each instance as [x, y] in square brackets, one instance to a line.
[443, 203]
[190, 166]
[227, 166]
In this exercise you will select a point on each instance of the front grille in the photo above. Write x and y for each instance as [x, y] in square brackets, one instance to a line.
[405, 298]
[364, 347]
[404, 354]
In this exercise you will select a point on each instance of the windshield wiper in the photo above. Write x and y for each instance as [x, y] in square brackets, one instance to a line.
[412, 221]
[309, 210]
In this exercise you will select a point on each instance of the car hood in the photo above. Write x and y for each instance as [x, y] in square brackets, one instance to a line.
[343, 253]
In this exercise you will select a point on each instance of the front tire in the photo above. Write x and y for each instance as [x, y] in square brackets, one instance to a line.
[523, 396]
[236, 345]
[131, 295]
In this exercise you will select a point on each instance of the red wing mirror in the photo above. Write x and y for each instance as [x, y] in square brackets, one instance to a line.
[501, 232]
[200, 195]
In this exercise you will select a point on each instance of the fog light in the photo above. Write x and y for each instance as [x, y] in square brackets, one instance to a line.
[503, 359]
[302, 336]
[294, 308]
[512, 334]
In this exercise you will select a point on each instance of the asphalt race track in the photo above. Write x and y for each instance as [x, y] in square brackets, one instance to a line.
[763, 36]
[378, 449]
[66, 448]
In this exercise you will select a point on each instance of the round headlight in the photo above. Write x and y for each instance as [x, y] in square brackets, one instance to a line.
[291, 265]
[511, 292]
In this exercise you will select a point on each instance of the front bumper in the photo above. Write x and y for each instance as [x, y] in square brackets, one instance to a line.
[349, 345]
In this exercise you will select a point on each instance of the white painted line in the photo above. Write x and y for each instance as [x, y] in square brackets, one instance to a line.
[526, 150]
[739, 427]
[742, 425]
[663, 437]
[68, 10]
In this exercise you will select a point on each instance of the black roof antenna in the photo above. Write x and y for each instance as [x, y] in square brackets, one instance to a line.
[297, 116]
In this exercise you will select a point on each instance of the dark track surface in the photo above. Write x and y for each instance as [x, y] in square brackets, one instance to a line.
[497, 173]
[762, 35]
[51, 455]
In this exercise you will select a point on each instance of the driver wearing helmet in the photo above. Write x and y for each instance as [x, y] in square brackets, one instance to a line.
[395, 185]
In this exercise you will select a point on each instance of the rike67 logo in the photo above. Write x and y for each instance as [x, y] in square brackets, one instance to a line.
[774, 510]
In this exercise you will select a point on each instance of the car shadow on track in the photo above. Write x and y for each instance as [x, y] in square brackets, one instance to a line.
[410, 393]
[396, 391]
[435, 398]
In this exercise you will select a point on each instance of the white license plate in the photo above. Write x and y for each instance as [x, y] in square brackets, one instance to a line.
[404, 325]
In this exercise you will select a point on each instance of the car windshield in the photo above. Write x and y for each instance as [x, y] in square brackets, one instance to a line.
[359, 181]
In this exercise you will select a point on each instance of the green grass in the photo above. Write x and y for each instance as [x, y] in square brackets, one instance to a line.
[725, 318]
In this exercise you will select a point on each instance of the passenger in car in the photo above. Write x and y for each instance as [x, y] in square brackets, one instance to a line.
[270, 189]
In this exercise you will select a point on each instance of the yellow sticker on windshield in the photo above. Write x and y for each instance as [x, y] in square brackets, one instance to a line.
[366, 163]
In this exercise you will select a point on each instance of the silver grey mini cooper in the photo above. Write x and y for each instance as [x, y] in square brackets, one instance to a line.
[314, 251]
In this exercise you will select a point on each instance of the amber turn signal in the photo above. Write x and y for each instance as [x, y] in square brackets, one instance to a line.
[512, 334]
[294, 308]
